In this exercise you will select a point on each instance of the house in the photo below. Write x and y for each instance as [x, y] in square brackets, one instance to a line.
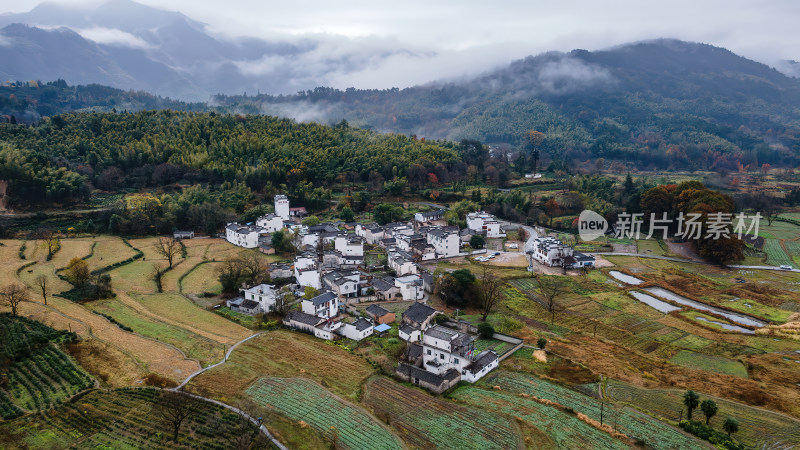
[402, 263]
[413, 354]
[282, 206]
[310, 238]
[384, 288]
[248, 307]
[382, 329]
[246, 236]
[279, 271]
[419, 315]
[306, 270]
[183, 234]
[423, 250]
[372, 233]
[444, 349]
[380, 315]
[348, 261]
[271, 223]
[325, 305]
[397, 228]
[582, 260]
[484, 364]
[431, 381]
[343, 283]
[550, 251]
[410, 287]
[298, 212]
[485, 224]
[430, 218]
[349, 245]
[410, 333]
[357, 330]
[298, 320]
[328, 330]
[446, 244]
[263, 294]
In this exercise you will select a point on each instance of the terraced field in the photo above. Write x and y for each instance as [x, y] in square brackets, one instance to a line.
[641, 427]
[119, 418]
[39, 375]
[700, 361]
[425, 421]
[758, 428]
[776, 256]
[300, 399]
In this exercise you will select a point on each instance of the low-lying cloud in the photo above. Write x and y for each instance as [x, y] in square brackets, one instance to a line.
[114, 37]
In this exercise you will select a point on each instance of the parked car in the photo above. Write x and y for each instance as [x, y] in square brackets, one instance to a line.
[496, 253]
[786, 267]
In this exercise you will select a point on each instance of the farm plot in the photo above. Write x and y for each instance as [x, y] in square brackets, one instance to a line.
[201, 278]
[758, 428]
[120, 418]
[198, 347]
[178, 309]
[39, 374]
[425, 421]
[564, 429]
[775, 254]
[499, 347]
[709, 363]
[284, 353]
[301, 399]
[109, 250]
[9, 254]
[656, 434]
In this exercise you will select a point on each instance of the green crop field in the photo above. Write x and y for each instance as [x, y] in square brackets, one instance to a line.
[39, 374]
[775, 253]
[649, 247]
[656, 434]
[758, 428]
[700, 361]
[202, 278]
[120, 419]
[178, 308]
[565, 430]
[302, 399]
[425, 421]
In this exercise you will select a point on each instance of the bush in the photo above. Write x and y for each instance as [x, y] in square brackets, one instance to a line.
[508, 325]
[711, 435]
[541, 343]
[485, 330]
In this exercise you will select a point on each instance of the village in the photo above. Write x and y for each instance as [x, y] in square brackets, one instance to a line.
[338, 267]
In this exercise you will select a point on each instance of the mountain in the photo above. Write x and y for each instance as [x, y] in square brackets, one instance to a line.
[133, 46]
[662, 102]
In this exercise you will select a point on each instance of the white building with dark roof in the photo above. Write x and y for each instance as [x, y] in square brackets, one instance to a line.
[243, 235]
[551, 251]
[446, 244]
[264, 294]
[429, 217]
[411, 287]
[282, 207]
[349, 245]
[485, 224]
[357, 330]
[325, 305]
[270, 223]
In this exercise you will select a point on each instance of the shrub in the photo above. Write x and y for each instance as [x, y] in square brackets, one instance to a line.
[541, 343]
[485, 330]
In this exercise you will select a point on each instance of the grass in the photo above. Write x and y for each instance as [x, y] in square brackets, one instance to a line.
[178, 309]
[425, 421]
[201, 279]
[109, 250]
[283, 353]
[758, 428]
[345, 424]
[120, 418]
[710, 363]
[649, 247]
[197, 347]
[776, 256]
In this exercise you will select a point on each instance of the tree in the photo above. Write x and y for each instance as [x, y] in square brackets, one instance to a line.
[41, 282]
[283, 300]
[281, 243]
[691, 400]
[541, 343]
[550, 287]
[347, 214]
[488, 292]
[533, 139]
[77, 272]
[709, 408]
[310, 221]
[12, 295]
[168, 248]
[310, 292]
[174, 408]
[485, 330]
[477, 241]
[52, 241]
[244, 433]
[730, 425]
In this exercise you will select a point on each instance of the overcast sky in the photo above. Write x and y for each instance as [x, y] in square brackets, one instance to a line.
[487, 33]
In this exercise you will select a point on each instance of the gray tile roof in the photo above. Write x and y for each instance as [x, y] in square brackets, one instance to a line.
[408, 329]
[422, 375]
[362, 324]
[413, 351]
[418, 312]
[248, 304]
[300, 316]
[377, 311]
[440, 332]
[323, 298]
[483, 360]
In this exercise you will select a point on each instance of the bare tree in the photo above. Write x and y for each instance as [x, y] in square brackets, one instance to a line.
[169, 248]
[41, 281]
[283, 300]
[244, 433]
[174, 408]
[550, 287]
[51, 239]
[12, 295]
[254, 267]
[488, 292]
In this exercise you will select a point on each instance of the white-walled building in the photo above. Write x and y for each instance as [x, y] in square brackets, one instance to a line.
[550, 251]
[430, 218]
[402, 263]
[372, 233]
[357, 330]
[325, 305]
[343, 283]
[444, 349]
[446, 244]
[263, 293]
[484, 223]
[243, 235]
[271, 223]
[282, 206]
[349, 245]
[410, 287]
[306, 270]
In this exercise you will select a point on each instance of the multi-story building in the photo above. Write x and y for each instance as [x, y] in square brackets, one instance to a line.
[485, 224]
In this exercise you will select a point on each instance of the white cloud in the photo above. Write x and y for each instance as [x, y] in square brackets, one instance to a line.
[110, 36]
[4, 41]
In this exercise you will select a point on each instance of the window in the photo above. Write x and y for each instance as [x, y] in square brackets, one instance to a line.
[429, 351]
[455, 360]
[441, 355]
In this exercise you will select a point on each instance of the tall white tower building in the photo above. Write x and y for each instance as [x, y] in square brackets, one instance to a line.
[282, 207]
